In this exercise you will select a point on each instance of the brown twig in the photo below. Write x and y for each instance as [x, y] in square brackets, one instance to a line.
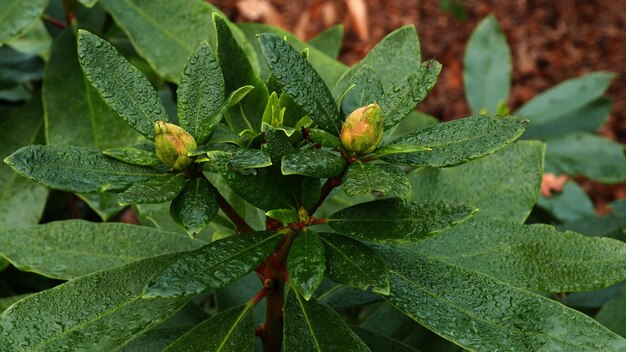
[240, 224]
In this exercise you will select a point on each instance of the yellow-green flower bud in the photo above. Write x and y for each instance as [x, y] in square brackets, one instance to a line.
[172, 145]
[363, 130]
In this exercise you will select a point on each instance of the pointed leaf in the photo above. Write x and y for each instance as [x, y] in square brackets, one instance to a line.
[69, 249]
[228, 331]
[362, 178]
[306, 264]
[285, 216]
[201, 94]
[352, 263]
[366, 89]
[456, 142]
[159, 190]
[310, 326]
[76, 169]
[479, 312]
[101, 311]
[323, 138]
[397, 220]
[313, 162]
[535, 257]
[120, 84]
[17, 16]
[487, 67]
[214, 265]
[298, 78]
[140, 154]
[195, 206]
[329, 40]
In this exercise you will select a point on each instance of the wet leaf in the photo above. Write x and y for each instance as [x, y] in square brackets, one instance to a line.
[140, 154]
[323, 138]
[329, 40]
[159, 190]
[306, 264]
[612, 314]
[389, 180]
[312, 162]
[195, 206]
[367, 89]
[17, 16]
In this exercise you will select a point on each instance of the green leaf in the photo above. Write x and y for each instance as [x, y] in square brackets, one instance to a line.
[612, 314]
[164, 32]
[306, 264]
[140, 154]
[120, 84]
[310, 326]
[329, 40]
[503, 186]
[456, 142]
[159, 190]
[570, 204]
[214, 265]
[583, 154]
[312, 162]
[414, 121]
[566, 97]
[352, 263]
[323, 138]
[238, 72]
[273, 114]
[228, 331]
[480, 313]
[397, 220]
[105, 204]
[536, 257]
[381, 343]
[101, 311]
[77, 169]
[249, 159]
[68, 249]
[400, 149]
[201, 94]
[17, 16]
[6, 302]
[487, 67]
[285, 216]
[277, 144]
[22, 201]
[399, 100]
[362, 178]
[34, 41]
[75, 113]
[88, 3]
[195, 206]
[366, 89]
[300, 80]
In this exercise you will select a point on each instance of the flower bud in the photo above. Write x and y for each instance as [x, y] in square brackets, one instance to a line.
[363, 129]
[172, 145]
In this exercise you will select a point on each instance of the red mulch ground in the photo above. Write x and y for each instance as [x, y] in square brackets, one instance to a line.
[550, 41]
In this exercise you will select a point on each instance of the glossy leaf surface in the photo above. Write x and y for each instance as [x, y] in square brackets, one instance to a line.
[312, 162]
[159, 190]
[329, 40]
[362, 178]
[366, 89]
[16, 16]
[306, 264]
[195, 206]
[140, 154]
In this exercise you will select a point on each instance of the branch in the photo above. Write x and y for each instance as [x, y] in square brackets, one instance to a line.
[240, 224]
[54, 21]
[330, 184]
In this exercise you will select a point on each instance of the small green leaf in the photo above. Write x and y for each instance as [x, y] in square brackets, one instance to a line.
[277, 143]
[76, 169]
[310, 326]
[140, 154]
[323, 138]
[329, 40]
[298, 78]
[478, 312]
[201, 94]
[285, 216]
[352, 263]
[68, 249]
[237, 95]
[16, 17]
[214, 265]
[195, 206]
[612, 314]
[249, 159]
[159, 190]
[487, 67]
[273, 114]
[228, 331]
[313, 162]
[120, 84]
[306, 264]
[366, 89]
[397, 220]
[362, 178]
[455, 142]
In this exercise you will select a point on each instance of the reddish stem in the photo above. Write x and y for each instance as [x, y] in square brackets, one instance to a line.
[258, 296]
[240, 224]
[330, 184]
[54, 21]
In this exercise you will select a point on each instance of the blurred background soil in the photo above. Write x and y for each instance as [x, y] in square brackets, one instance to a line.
[551, 41]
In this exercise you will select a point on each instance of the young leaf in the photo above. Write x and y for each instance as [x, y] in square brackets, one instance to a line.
[277, 144]
[456, 142]
[323, 138]
[274, 114]
[312, 162]
[76, 169]
[120, 84]
[68, 249]
[397, 220]
[329, 40]
[214, 265]
[285, 216]
[352, 263]
[238, 72]
[17, 16]
[140, 154]
[201, 94]
[362, 178]
[479, 312]
[503, 185]
[310, 326]
[298, 78]
[195, 206]
[535, 257]
[159, 190]
[101, 311]
[306, 264]
[367, 89]
[228, 331]
[487, 67]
